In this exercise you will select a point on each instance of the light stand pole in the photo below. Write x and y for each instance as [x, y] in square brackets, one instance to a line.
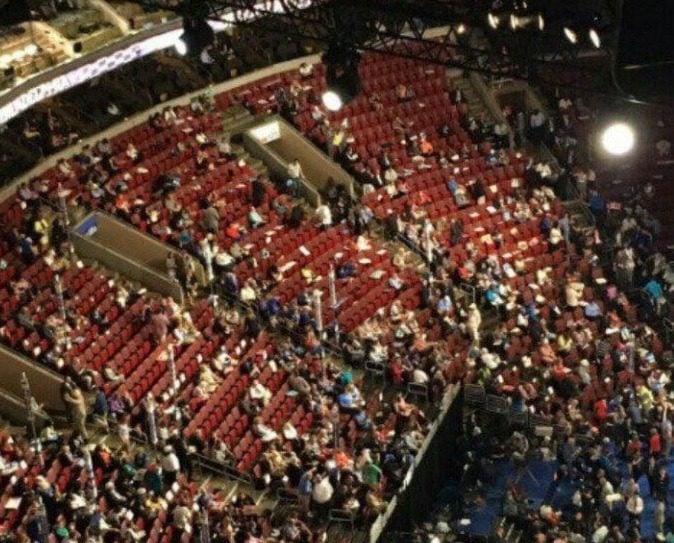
[332, 287]
[89, 466]
[58, 288]
[29, 403]
[63, 208]
[318, 311]
[204, 527]
[208, 258]
[429, 247]
[151, 423]
[334, 302]
[170, 357]
[42, 522]
[63, 205]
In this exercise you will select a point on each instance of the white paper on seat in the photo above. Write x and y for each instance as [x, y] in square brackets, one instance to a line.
[287, 266]
[13, 503]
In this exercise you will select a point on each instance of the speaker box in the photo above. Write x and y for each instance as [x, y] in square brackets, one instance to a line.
[644, 64]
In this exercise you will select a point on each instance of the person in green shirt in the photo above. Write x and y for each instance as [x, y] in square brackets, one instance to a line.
[371, 474]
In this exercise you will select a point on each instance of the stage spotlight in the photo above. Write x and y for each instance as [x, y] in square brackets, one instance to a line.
[493, 20]
[332, 100]
[594, 38]
[341, 76]
[514, 21]
[570, 35]
[541, 23]
[461, 29]
[618, 139]
[180, 47]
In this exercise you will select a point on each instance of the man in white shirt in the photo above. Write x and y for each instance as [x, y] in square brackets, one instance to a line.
[324, 216]
[600, 534]
[170, 465]
[322, 491]
[294, 169]
[573, 292]
[635, 506]
[419, 376]
[537, 126]
[260, 392]
[295, 174]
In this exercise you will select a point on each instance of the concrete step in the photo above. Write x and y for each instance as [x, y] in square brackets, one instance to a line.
[236, 120]
[254, 163]
[476, 107]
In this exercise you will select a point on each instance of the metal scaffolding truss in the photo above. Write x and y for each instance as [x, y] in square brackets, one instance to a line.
[400, 27]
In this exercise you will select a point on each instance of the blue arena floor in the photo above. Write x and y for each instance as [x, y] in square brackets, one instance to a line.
[543, 490]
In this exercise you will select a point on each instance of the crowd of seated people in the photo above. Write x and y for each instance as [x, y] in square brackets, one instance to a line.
[122, 371]
[72, 490]
[565, 338]
[273, 409]
[630, 215]
[115, 95]
[270, 399]
[574, 350]
[569, 347]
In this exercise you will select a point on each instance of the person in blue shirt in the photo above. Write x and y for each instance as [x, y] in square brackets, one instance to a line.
[592, 310]
[304, 489]
[185, 240]
[345, 400]
[597, 204]
[26, 250]
[272, 306]
[654, 290]
[444, 305]
[531, 311]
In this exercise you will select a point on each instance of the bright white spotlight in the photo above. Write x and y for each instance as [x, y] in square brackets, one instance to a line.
[181, 47]
[594, 38]
[514, 21]
[332, 100]
[570, 35]
[461, 29]
[618, 139]
[493, 20]
[541, 23]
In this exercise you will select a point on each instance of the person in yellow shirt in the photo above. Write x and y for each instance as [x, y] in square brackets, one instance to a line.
[564, 343]
[645, 396]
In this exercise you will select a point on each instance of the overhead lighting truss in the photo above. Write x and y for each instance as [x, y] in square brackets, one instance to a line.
[399, 27]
